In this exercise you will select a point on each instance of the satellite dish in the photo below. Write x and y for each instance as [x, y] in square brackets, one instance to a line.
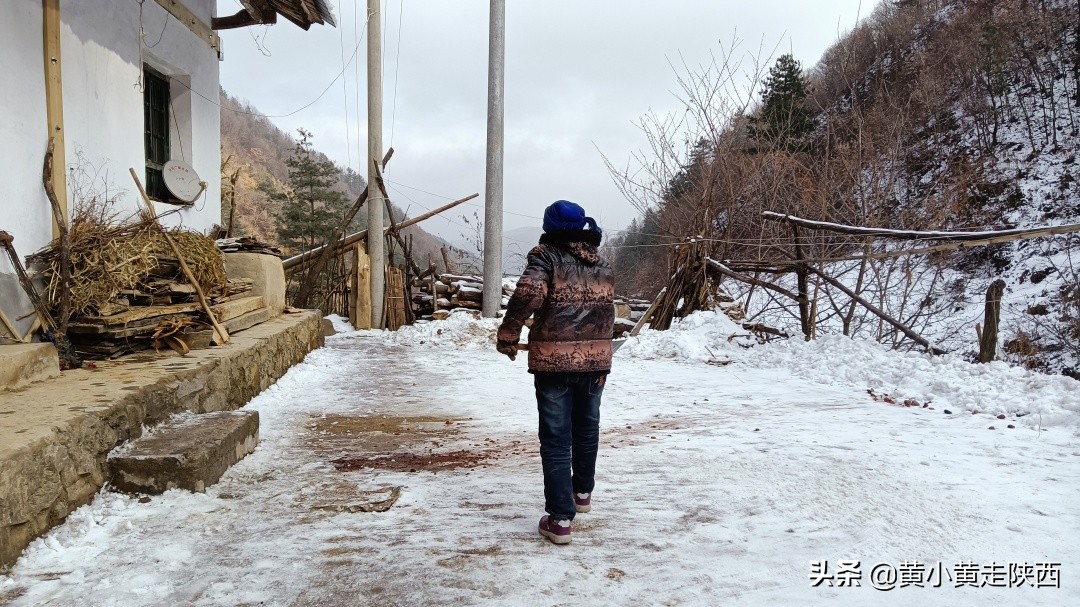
[182, 180]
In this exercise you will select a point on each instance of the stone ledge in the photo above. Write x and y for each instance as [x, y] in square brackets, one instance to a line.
[189, 451]
[55, 435]
[24, 364]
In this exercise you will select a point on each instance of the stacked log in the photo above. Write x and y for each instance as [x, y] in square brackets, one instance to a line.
[628, 312]
[246, 244]
[436, 295]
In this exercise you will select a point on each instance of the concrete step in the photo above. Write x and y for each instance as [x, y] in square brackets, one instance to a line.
[189, 451]
[24, 364]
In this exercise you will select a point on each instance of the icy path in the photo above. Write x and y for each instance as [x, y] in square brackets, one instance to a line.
[716, 485]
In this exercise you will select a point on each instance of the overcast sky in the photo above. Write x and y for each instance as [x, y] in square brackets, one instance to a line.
[579, 76]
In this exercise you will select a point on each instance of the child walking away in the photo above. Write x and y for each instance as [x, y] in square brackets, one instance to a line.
[570, 291]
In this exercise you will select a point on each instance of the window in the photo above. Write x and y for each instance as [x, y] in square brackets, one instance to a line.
[156, 123]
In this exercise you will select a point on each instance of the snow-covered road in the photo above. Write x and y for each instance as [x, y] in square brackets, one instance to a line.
[717, 484]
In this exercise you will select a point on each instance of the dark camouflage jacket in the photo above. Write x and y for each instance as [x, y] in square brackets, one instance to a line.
[570, 291]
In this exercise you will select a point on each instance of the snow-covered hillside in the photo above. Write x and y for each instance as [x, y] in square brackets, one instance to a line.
[953, 115]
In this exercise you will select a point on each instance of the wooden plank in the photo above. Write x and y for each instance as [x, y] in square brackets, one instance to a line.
[202, 30]
[10, 327]
[138, 327]
[223, 311]
[363, 289]
[231, 309]
[140, 313]
[246, 321]
[54, 102]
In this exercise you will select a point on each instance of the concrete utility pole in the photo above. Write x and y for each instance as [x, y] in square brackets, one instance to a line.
[375, 153]
[493, 194]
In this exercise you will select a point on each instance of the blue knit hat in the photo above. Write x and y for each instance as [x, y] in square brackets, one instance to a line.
[565, 215]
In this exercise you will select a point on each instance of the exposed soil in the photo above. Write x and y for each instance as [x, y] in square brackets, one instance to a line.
[416, 462]
[401, 444]
[378, 434]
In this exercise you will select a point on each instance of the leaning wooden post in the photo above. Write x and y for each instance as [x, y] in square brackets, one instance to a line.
[47, 178]
[906, 330]
[989, 335]
[221, 336]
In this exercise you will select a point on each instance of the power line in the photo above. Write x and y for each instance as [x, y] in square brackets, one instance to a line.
[397, 66]
[345, 88]
[358, 36]
[296, 111]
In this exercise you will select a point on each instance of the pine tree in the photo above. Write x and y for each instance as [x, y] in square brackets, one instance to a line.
[312, 207]
[784, 119]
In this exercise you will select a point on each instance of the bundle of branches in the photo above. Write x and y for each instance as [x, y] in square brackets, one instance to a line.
[690, 288]
[109, 257]
[695, 285]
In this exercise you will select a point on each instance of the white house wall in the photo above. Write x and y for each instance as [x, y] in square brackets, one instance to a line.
[103, 108]
[103, 113]
[24, 209]
[103, 100]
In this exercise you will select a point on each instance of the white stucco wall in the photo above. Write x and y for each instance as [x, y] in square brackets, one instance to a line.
[24, 209]
[103, 101]
[103, 113]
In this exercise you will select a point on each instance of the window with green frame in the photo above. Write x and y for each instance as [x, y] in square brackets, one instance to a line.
[156, 123]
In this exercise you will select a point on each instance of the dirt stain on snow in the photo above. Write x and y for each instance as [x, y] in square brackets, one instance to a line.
[464, 558]
[416, 462]
[400, 443]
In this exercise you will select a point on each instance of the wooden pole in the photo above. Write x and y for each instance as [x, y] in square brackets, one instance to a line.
[221, 336]
[54, 106]
[988, 337]
[982, 237]
[801, 275]
[7, 241]
[363, 288]
[298, 261]
[877, 311]
[750, 280]
[395, 230]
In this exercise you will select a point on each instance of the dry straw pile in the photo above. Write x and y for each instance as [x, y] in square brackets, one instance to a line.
[110, 256]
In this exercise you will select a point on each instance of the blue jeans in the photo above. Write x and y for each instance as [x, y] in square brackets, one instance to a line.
[569, 407]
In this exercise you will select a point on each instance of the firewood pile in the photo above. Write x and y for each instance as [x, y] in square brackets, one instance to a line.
[437, 294]
[695, 285]
[246, 244]
[628, 312]
[128, 292]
